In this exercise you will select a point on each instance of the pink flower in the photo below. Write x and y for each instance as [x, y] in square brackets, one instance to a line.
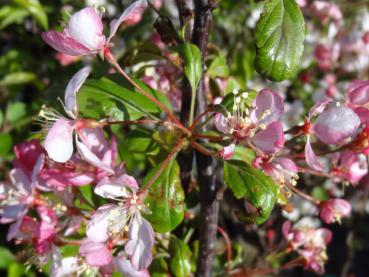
[96, 253]
[27, 154]
[18, 196]
[309, 243]
[326, 11]
[327, 56]
[65, 59]
[88, 135]
[125, 267]
[112, 220]
[62, 267]
[334, 209]
[258, 127]
[358, 99]
[84, 33]
[350, 166]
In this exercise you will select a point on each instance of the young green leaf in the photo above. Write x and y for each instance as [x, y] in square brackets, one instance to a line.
[218, 67]
[180, 262]
[254, 185]
[165, 198]
[280, 35]
[191, 56]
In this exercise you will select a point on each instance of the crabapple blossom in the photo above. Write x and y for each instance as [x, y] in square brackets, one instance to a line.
[334, 209]
[84, 33]
[257, 126]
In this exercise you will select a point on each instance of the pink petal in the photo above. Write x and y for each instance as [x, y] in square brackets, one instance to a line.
[324, 234]
[335, 125]
[86, 27]
[62, 267]
[221, 123]
[64, 43]
[311, 158]
[136, 8]
[27, 154]
[227, 152]
[112, 188]
[271, 139]
[319, 107]
[73, 86]
[21, 181]
[141, 240]
[269, 107]
[90, 157]
[363, 114]
[14, 229]
[358, 92]
[94, 139]
[98, 228]
[125, 267]
[287, 164]
[59, 140]
[96, 253]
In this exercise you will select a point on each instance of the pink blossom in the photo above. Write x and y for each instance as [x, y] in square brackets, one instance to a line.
[309, 243]
[334, 209]
[61, 267]
[112, 220]
[125, 267]
[65, 59]
[350, 166]
[327, 56]
[260, 126]
[96, 253]
[88, 137]
[84, 33]
[326, 11]
[27, 154]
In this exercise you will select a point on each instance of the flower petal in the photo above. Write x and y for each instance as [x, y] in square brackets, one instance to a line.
[221, 123]
[227, 152]
[90, 157]
[132, 11]
[358, 92]
[98, 228]
[86, 27]
[319, 107]
[59, 140]
[96, 253]
[73, 86]
[269, 107]
[62, 267]
[125, 267]
[311, 158]
[335, 125]
[94, 139]
[64, 43]
[21, 181]
[112, 188]
[141, 240]
[271, 139]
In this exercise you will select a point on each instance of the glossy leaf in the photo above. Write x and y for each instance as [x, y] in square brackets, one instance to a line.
[141, 141]
[252, 184]
[218, 67]
[116, 99]
[165, 198]
[180, 262]
[191, 56]
[280, 35]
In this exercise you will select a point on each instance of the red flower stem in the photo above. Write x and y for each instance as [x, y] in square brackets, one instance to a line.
[114, 63]
[302, 194]
[197, 119]
[209, 137]
[151, 121]
[314, 172]
[229, 247]
[203, 150]
[170, 156]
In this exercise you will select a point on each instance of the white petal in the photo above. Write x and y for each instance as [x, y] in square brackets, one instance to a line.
[98, 227]
[73, 87]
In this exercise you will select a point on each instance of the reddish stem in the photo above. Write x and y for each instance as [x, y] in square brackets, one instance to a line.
[197, 119]
[170, 156]
[203, 150]
[209, 137]
[229, 247]
[302, 194]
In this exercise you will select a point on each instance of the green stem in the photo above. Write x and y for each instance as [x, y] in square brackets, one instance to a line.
[192, 108]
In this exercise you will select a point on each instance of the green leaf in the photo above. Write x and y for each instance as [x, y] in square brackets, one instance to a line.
[35, 8]
[180, 263]
[1, 118]
[117, 99]
[159, 268]
[218, 67]
[15, 112]
[165, 198]
[191, 56]
[141, 141]
[87, 193]
[320, 194]
[254, 185]
[6, 257]
[280, 35]
[10, 15]
[17, 78]
[5, 144]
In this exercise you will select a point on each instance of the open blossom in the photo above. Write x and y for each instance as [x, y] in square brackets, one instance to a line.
[349, 166]
[310, 243]
[334, 125]
[84, 33]
[88, 134]
[111, 221]
[334, 209]
[257, 126]
[358, 99]
[17, 197]
[326, 11]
